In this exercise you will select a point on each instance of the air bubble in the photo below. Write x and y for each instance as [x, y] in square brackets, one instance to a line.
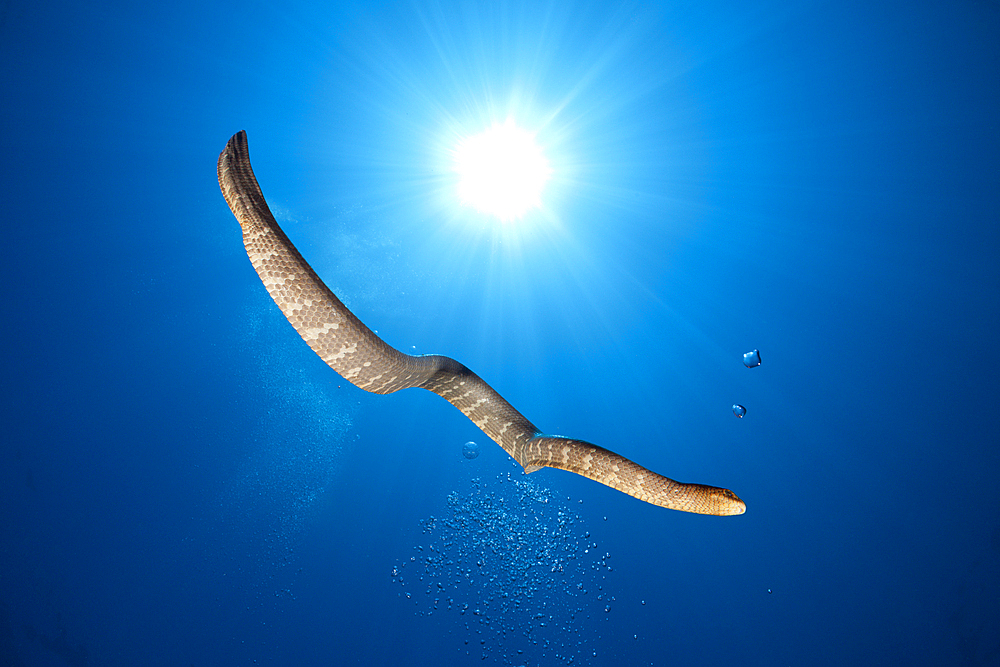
[739, 410]
[497, 550]
[751, 359]
[470, 450]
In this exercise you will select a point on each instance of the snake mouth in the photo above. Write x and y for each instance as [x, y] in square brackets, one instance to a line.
[734, 503]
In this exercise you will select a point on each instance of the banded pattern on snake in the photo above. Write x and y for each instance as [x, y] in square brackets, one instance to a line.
[361, 357]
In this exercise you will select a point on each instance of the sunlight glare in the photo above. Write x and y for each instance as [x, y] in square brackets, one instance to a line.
[502, 171]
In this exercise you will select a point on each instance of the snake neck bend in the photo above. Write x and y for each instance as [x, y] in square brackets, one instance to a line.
[361, 357]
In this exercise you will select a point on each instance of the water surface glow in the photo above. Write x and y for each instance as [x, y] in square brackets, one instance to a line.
[502, 171]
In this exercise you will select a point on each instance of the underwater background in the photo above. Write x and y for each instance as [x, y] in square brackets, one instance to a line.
[184, 482]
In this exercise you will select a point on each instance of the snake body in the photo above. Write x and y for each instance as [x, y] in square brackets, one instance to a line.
[361, 357]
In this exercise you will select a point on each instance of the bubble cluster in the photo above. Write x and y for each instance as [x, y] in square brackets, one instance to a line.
[517, 571]
[751, 359]
[291, 443]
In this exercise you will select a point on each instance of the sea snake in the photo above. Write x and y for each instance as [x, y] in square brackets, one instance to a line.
[360, 356]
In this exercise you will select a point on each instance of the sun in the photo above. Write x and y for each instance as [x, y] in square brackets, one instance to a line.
[502, 171]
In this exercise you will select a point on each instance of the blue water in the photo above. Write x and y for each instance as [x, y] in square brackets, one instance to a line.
[184, 482]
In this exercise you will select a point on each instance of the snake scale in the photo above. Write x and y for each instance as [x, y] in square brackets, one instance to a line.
[360, 356]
